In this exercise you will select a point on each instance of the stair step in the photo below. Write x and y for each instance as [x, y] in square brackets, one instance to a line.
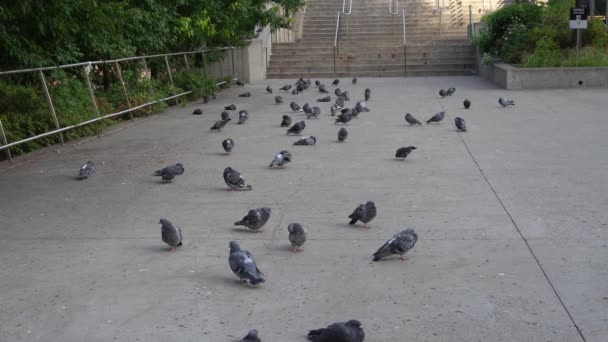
[409, 73]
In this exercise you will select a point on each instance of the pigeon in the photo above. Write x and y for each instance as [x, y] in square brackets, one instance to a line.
[252, 336]
[285, 87]
[338, 92]
[171, 234]
[278, 99]
[354, 80]
[228, 145]
[400, 243]
[178, 169]
[506, 102]
[322, 89]
[218, 125]
[295, 107]
[333, 110]
[450, 91]
[269, 89]
[197, 111]
[367, 96]
[245, 94]
[344, 117]
[307, 108]
[243, 265]
[230, 107]
[297, 236]
[297, 128]
[443, 93]
[286, 121]
[403, 152]
[240, 84]
[225, 116]
[342, 134]
[335, 82]
[324, 99]
[460, 124]
[364, 213]
[355, 112]
[86, 170]
[350, 331]
[317, 83]
[234, 180]
[295, 92]
[316, 111]
[311, 140]
[205, 99]
[281, 159]
[436, 118]
[345, 95]
[243, 116]
[300, 88]
[466, 103]
[255, 219]
[412, 120]
[339, 103]
[168, 174]
[361, 106]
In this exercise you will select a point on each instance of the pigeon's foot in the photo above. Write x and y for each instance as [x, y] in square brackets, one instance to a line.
[240, 281]
[172, 250]
[402, 258]
[257, 231]
[294, 249]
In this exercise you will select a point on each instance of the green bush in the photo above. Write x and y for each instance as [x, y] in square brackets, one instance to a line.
[197, 81]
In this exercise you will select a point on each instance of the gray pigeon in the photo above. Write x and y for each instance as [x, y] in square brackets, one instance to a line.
[269, 89]
[295, 107]
[333, 110]
[467, 103]
[295, 92]
[400, 243]
[234, 180]
[354, 80]
[228, 145]
[317, 83]
[171, 234]
[335, 82]
[177, 169]
[297, 128]
[364, 213]
[355, 112]
[436, 118]
[324, 99]
[322, 89]
[286, 121]
[243, 265]
[342, 134]
[205, 99]
[197, 111]
[345, 95]
[230, 107]
[339, 103]
[278, 99]
[252, 336]
[367, 94]
[218, 125]
[350, 331]
[443, 92]
[168, 174]
[240, 84]
[311, 140]
[450, 91]
[285, 87]
[255, 219]
[245, 94]
[361, 106]
[86, 170]
[281, 159]
[225, 116]
[344, 117]
[338, 92]
[404, 152]
[505, 102]
[307, 108]
[314, 114]
[297, 236]
[243, 116]
[412, 120]
[460, 124]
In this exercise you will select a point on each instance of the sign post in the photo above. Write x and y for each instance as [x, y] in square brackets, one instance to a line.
[578, 21]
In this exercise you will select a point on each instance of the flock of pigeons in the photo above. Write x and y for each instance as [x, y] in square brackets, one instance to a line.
[242, 262]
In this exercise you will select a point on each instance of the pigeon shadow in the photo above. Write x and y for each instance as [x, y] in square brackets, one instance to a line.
[157, 249]
[246, 230]
[230, 281]
[351, 226]
[283, 248]
[218, 154]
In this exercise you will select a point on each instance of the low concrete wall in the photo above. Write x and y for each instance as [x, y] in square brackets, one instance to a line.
[510, 77]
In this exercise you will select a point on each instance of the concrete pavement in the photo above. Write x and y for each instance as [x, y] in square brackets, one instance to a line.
[510, 216]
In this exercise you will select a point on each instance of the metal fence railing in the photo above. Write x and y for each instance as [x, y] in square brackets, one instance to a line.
[93, 77]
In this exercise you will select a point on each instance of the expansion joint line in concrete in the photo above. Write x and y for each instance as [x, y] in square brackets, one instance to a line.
[542, 269]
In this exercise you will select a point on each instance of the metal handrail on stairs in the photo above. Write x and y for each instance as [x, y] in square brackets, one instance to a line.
[336, 39]
[390, 7]
[350, 7]
[404, 47]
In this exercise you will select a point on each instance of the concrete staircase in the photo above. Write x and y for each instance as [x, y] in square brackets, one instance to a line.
[370, 41]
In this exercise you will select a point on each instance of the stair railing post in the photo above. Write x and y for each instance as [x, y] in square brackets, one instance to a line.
[404, 47]
[5, 142]
[49, 101]
[471, 21]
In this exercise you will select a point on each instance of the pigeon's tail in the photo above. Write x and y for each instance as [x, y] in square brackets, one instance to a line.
[382, 252]
[353, 219]
[256, 279]
[240, 223]
[179, 244]
[314, 335]
[158, 172]
[429, 121]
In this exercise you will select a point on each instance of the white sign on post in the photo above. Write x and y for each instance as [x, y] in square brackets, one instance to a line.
[578, 18]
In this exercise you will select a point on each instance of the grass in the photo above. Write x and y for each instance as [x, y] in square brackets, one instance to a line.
[588, 57]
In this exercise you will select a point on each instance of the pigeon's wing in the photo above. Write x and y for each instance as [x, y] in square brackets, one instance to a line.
[384, 251]
[359, 212]
[250, 257]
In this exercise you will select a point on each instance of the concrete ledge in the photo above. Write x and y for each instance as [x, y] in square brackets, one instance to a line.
[510, 77]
